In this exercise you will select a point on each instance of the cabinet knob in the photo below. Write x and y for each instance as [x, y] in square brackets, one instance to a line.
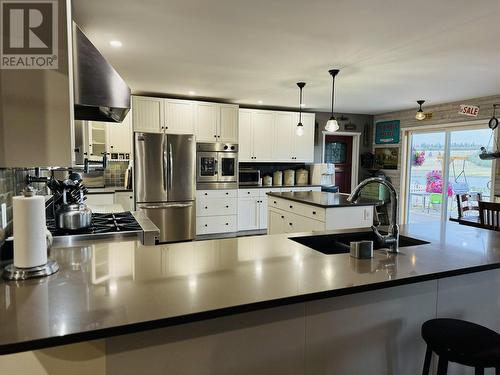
[248, 192]
[314, 212]
[290, 224]
[291, 206]
[274, 202]
[282, 217]
[206, 193]
[227, 206]
[227, 223]
[206, 225]
[206, 208]
[227, 193]
[215, 136]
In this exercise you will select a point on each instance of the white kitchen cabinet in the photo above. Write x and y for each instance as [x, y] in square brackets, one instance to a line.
[119, 136]
[216, 211]
[100, 199]
[97, 138]
[248, 213]
[277, 222]
[206, 122]
[283, 137]
[301, 217]
[125, 199]
[228, 123]
[245, 143]
[262, 139]
[147, 114]
[270, 136]
[179, 116]
[303, 146]
[216, 122]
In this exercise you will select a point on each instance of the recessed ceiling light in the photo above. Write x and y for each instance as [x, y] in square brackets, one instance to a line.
[115, 43]
[260, 102]
[192, 92]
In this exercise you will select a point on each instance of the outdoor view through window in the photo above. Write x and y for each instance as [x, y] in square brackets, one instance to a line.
[430, 161]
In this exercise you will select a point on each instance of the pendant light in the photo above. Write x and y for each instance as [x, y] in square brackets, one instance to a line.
[332, 125]
[300, 127]
[420, 115]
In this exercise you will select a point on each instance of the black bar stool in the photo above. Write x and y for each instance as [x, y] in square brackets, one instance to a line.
[462, 342]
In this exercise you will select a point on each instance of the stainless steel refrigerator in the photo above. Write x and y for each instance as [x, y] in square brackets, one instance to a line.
[164, 183]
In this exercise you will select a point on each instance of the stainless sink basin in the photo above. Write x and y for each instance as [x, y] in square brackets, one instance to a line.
[340, 243]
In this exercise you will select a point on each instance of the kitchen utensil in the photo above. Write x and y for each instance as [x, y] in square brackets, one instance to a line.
[278, 178]
[302, 177]
[73, 217]
[289, 177]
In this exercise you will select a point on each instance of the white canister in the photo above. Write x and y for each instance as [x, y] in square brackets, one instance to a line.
[267, 181]
[289, 179]
[278, 178]
[302, 177]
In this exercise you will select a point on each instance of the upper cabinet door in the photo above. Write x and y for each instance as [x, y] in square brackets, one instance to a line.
[284, 137]
[179, 116]
[119, 138]
[304, 145]
[147, 114]
[245, 136]
[206, 121]
[228, 124]
[263, 126]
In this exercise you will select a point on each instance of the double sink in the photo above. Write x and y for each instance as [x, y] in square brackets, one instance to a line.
[340, 243]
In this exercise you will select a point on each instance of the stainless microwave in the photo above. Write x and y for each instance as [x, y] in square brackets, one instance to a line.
[249, 177]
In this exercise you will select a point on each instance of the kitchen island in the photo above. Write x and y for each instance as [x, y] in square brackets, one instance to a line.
[251, 305]
[291, 212]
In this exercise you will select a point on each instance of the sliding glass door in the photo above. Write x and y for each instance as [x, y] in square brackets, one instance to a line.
[442, 165]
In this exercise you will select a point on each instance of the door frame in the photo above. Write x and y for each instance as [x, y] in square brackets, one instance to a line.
[356, 139]
[406, 167]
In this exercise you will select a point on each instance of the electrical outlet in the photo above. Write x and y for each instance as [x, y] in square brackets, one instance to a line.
[3, 215]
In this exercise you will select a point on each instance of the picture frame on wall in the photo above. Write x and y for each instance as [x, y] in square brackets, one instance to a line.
[387, 132]
[387, 157]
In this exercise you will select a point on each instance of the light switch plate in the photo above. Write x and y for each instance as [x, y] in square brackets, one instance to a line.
[3, 215]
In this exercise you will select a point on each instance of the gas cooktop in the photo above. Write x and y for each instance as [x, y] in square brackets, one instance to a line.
[113, 223]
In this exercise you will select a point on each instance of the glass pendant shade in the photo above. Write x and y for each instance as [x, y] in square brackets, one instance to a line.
[300, 129]
[332, 125]
[420, 115]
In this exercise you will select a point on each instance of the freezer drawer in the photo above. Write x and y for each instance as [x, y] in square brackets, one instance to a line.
[176, 220]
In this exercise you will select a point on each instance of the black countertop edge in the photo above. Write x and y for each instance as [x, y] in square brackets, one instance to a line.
[310, 203]
[226, 311]
[243, 187]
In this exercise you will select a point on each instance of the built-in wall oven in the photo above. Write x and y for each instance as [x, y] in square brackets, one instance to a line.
[216, 166]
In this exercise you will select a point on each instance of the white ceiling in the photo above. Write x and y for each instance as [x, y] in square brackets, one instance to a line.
[390, 52]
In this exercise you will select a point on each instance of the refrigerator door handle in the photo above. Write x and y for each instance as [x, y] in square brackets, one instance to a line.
[165, 205]
[171, 169]
[164, 164]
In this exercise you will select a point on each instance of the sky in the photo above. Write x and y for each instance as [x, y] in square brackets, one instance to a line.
[477, 136]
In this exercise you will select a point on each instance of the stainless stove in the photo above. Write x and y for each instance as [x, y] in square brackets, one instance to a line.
[110, 225]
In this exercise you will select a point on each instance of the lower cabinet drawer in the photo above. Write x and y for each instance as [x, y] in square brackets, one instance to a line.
[216, 224]
[217, 207]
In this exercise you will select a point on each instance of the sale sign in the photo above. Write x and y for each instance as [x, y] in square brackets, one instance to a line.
[469, 110]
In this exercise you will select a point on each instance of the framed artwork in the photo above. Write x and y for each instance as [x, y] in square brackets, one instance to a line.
[387, 132]
[386, 157]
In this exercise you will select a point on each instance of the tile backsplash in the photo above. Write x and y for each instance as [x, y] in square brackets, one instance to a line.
[114, 174]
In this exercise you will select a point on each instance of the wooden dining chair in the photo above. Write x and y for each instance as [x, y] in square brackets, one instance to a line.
[465, 203]
[489, 215]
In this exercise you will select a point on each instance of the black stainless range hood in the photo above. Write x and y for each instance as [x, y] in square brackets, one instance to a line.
[100, 94]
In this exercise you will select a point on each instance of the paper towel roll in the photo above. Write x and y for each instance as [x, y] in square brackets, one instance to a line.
[30, 242]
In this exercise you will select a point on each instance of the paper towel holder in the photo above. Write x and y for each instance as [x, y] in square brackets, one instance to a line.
[11, 272]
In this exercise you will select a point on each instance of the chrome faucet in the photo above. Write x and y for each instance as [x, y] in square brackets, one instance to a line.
[391, 239]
